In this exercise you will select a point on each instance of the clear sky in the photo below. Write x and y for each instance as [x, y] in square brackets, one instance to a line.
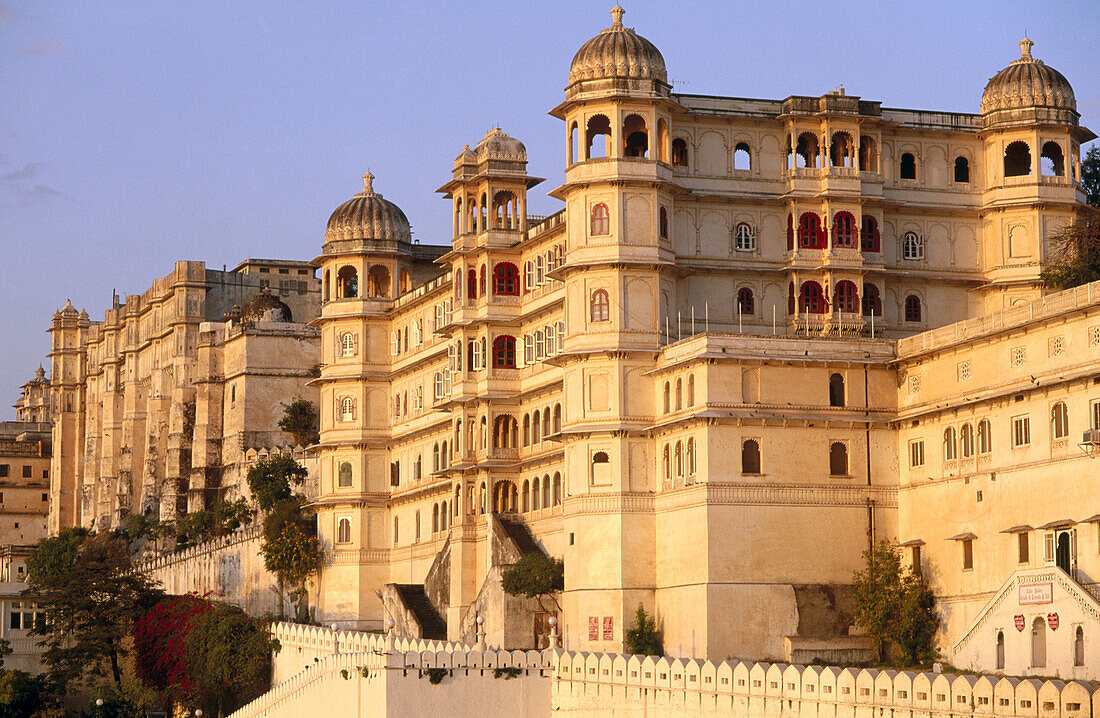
[137, 133]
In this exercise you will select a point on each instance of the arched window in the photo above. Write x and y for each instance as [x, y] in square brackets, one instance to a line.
[790, 232]
[872, 302]
[836, 390]
[750, 456]
[635, 137]
[691, 390]
[324, 289]
[678, 459]
[525, 496]
[838, 459]
[744, 239]
[868, 154]
[600, 306]
[471, 284]
[679, 153]
[529, 274]
[1000, 658]
[343, 531]
[842, 150]
[868, 236]
[1052, 161]
[458, 284]
[912, 308]
[344, 474]
[679, 394]
[349, 344]
[807, 150]
[557, 418]
[847, 298]
[404, 281]
[505, 279]
[1017, 159]
[742, 157]
[966, 440]
[557, 489]
[601, 467]
[962, 170]
[666, 464]
[745, 302]
[662, 140]
[573, 155]
[435, 457]
[482, 283]
[664, 223]
[536, 492]
[347, 283]
[811, 299]
[908, 166]
[435, 518]
[536, 428]
[598, 126]
[1079, 646]
[844, 230]
[949, 448]
[810, 235]
[1039, 642]
[1059, 417]
[347, 409]
[912, 246]
[378, 281]
[691, 457]
[668, 397]
[601, 220]
[396, 526]
[985, 438]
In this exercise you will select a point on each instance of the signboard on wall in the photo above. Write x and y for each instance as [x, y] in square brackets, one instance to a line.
[608, 628]
[1034, 594]
[593, 628]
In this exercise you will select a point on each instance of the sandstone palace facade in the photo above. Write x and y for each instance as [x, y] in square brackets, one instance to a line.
[758, 336]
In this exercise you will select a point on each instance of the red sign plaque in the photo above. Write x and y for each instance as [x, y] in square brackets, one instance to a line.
[608, 628]
[1052, 621]
[1018, 619]
[593, 628]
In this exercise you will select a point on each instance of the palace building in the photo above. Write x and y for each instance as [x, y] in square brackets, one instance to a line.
[759, 336]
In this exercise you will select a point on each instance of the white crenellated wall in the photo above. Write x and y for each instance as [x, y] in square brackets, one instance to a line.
[395, 684]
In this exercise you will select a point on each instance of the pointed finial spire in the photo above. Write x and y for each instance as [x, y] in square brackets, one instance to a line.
[617, 13]
[1025, 48]
[368, 183]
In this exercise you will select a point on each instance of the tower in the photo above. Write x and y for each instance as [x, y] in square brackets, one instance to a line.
[67, 330]
[1032, 146]
[623, 297]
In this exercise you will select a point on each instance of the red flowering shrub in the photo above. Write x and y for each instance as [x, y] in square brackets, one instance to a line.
[160, 659]
[203, 653]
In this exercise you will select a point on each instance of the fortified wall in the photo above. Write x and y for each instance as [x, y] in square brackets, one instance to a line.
[369, 674]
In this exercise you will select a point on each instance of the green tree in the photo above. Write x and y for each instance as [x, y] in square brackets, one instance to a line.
[272, 480]
[536, 576]
[1074, 257]
[21, 694]
[643, 637]
[300, 421]
[1090, 176]
[895, 606]
[290, 549]
[231, 515]
[91, 598]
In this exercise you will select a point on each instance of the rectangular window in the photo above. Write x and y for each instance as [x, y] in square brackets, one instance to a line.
[916, 565]
[1021, 431]
[1095, 415]
[1025, 547]
[916, 453]
[26, 472]
[4, 471]
[968, 554]
[1048, 547]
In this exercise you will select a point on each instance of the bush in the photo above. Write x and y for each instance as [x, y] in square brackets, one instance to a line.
[895, 606]
[271, 480]
[535, 575]
[300, 421]
[643, 637]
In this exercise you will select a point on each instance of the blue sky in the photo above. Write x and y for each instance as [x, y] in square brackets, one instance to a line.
[134, 134]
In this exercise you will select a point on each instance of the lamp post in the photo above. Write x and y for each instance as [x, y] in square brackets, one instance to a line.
[335, 641]
[480, 645]
[553, 632]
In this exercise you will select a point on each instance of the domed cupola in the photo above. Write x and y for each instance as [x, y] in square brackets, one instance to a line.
[498, 145]
[1028, 91]
[265, 307]
[367, 216]
[619, 54]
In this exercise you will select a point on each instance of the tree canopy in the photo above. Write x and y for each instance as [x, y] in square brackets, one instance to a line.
[300, 421]
[272, 480]
[535, 575]
[895, 606]
[1074, 257]
[91, 598]
[643, 637]
[1090, 176]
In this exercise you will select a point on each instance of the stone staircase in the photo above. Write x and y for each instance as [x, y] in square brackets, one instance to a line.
[432, 626]
[521, 536]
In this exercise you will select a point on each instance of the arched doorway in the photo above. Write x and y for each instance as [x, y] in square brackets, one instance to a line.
[1063, 552]
[1039, 642]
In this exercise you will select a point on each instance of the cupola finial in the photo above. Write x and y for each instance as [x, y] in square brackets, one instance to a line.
[1025, 48]
[617, 13]
[368, 183]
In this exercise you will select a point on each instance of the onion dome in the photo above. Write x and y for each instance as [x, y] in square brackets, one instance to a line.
[1028, 83]
[265, 307]
[367, 216]
[498, 145]
[68, 309]
[618, 52]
